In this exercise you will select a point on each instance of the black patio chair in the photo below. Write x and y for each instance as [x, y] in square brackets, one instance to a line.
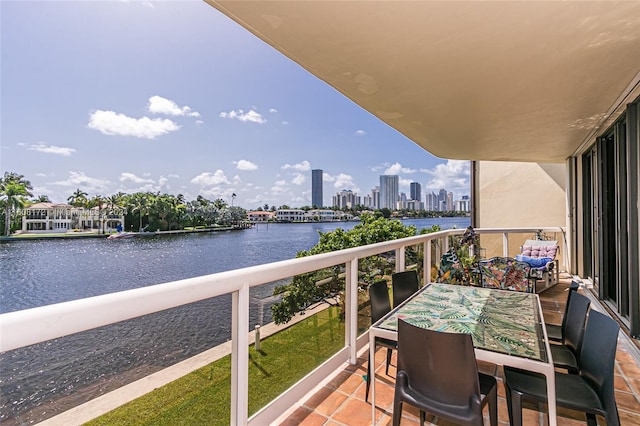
[555, 332]
[380, 306]
[590, 392]
[567, 354]
[404, 284]
[438, 374]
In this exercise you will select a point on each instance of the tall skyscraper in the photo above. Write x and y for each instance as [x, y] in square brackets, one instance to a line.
[442, 200]
[375, 195]
[316, 188]
[432, 201]
[389, 186]
[450, 201]
[415, 191]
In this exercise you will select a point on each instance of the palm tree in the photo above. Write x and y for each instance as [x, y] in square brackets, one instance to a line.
[98, 201]
[78, 199]
[141, 203]
[219, 203]
[42, 199]
[165, 206]
[13, 190]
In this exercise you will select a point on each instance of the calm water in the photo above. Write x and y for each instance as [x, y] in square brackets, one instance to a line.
[42, 380]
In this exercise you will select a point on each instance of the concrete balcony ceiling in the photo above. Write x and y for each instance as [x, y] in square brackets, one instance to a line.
[515, 81]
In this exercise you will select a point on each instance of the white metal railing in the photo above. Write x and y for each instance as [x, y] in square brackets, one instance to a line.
[31, 326]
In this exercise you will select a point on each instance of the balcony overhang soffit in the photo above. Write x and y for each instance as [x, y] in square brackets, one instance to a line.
[513, 81]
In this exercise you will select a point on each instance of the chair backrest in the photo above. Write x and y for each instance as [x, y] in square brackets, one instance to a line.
[505, 273]
[540, 248]
[441, 366]
[573, 332]
[450, 270]
[404, 284]
[539, 254]
[597, 360]
[379, 299]
[574, 286]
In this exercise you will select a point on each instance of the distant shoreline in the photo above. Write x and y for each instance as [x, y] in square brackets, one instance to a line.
[81, 235]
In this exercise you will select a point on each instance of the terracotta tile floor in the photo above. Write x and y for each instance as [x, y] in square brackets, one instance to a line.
[341, 400]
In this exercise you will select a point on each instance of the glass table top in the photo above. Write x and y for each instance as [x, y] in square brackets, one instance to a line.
[500, 321]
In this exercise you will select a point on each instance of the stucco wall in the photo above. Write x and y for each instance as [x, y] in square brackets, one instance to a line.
[519, 195]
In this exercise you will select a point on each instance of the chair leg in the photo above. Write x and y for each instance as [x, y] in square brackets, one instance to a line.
[423, 417]
[591, 420]
[397, 411]
[514, 407]
[386, 371]
[493, 406]
[366, 393]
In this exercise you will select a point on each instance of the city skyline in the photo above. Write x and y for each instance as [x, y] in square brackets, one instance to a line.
[443, 201]
[174, 97]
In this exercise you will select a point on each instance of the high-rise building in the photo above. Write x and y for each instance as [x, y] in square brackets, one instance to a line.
[415, 191]
[450, 201]
[432, 201]
[316, 188]
[375, 196]
[442, 200]
[389, 186]
[402, 201]
[346, 198]
[463, 204]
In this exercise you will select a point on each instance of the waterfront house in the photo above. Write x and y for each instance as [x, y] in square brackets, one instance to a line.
[43, 218]
[260, 216]
[541, 97]
[292, 215]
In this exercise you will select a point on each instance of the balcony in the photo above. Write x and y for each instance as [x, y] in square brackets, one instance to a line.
[334, 392]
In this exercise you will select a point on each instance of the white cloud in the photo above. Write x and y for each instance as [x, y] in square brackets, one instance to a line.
[41, 175]
[173, 176]
[130, 177]
[86, 183]
[279, 187]
[52, 149]
[160, 105]
[396, 169]
[405, 182]
[237, 180]
[245, 165]
[208, 179]
[326, 177]
[360, 132]
[199, 122]
[285, 123]
[112, 123]
[344, 181]
[251, 116]
[452, 176]
[299, 179]
[273, 110]
[301, 167]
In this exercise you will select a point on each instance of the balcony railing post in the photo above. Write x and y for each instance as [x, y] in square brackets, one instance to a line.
[240, 356]
[400, 254]
[426, 262]
[351, 309]
[505, 244]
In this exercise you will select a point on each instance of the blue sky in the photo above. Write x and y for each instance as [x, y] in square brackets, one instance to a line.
[175, 97]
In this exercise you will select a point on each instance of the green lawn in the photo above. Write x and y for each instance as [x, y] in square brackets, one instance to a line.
[203, 397]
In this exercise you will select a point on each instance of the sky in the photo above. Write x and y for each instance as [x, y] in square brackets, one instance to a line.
[174, 97]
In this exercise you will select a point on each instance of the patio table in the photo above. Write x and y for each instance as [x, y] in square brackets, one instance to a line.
[507, 328]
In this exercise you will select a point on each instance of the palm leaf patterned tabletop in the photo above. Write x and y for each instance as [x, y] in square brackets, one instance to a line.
[500, 321]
